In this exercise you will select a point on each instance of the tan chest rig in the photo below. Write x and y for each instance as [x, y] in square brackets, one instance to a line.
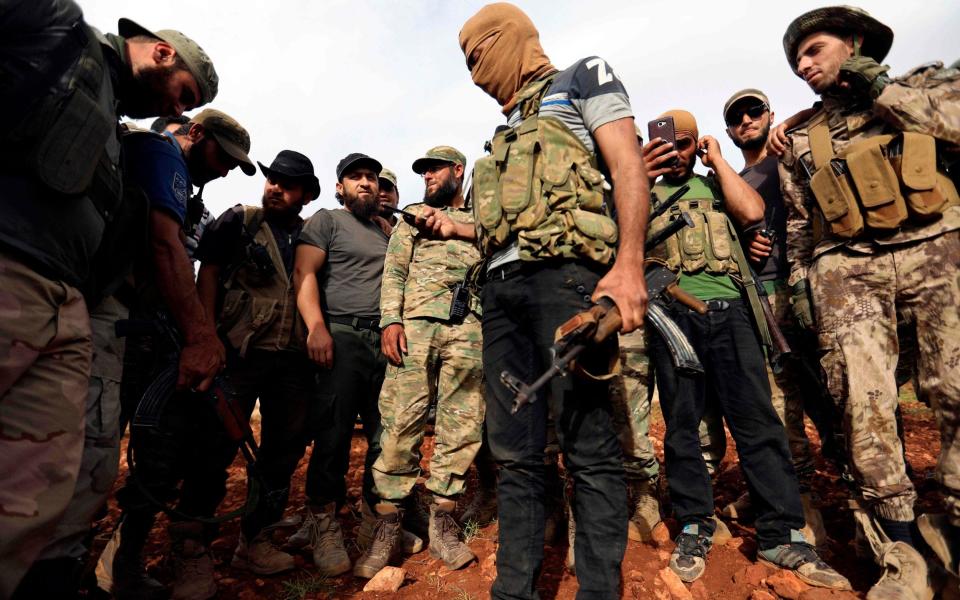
[877, 184]
[260, 310]
[708, 245]
[541, 186]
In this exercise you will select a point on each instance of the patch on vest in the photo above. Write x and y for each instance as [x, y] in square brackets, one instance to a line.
[180, 191]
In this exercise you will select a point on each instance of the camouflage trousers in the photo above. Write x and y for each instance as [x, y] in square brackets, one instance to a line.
[443, 360]
[45, 353]
[787, 395]
[630, 396]
[857, 298]
[101, 446]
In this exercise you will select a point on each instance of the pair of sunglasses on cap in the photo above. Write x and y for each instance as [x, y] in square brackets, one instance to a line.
[735, 117]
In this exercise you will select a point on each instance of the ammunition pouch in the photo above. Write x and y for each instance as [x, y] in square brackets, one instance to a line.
[707, 245]
[541, 186]
[878, 183]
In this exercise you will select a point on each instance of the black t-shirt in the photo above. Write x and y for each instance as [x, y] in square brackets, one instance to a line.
[222, 241]
[764, 178]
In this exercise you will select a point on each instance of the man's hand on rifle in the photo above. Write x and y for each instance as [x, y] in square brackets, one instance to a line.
[201, 359]
[760, 247]
[626, 286]
[393, 342]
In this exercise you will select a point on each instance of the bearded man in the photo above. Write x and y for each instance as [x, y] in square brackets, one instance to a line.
[337, 272]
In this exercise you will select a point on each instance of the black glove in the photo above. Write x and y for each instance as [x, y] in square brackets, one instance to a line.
[801, 305]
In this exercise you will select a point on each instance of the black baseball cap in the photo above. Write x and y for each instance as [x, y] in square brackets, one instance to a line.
[355, 160]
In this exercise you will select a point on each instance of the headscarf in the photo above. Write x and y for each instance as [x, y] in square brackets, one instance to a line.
[683, 122]
[512, 59]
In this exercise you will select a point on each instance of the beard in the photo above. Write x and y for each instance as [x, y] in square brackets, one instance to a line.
[200, 171]
[362, 208]
[754, 143]
[443, 195]
[145, 90]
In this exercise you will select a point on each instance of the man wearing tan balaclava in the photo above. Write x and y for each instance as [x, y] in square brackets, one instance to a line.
[551, 247]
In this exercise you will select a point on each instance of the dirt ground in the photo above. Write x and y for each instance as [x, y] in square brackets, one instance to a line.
[727, 575]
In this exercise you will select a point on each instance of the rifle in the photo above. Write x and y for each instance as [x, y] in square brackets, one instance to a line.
[603, 320]
[149, 414]
[779, 347]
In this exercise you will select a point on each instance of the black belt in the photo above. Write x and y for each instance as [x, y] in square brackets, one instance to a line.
[357, 323]
[505, 270]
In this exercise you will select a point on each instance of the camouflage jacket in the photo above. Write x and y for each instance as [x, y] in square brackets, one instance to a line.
[419, 273]
[925, 100]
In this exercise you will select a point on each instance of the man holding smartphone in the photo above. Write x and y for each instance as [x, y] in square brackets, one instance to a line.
[711, 266]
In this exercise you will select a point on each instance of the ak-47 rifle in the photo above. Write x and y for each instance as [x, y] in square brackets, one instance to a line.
[149, 414]
[603, 320]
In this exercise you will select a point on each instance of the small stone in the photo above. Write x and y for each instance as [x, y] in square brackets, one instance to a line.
[635, 575]
[786, 585]
[389, 579]
[698, 590]
[824, 594]
[227, 581]
[678, 591]
[734, 543]
[751, 576]
[762, 595]
[660, 535]
[260, 582]
[663, 555]
[488, 567]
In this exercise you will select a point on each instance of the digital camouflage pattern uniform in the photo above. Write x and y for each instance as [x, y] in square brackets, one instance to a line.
[857, 287]
[443, 359]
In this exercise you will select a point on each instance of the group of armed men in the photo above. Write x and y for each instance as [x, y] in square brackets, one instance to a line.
[843, 224]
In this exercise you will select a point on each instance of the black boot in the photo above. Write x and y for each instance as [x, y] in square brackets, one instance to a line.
[130, 579]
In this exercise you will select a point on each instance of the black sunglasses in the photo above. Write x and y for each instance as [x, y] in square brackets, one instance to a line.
[735, 117]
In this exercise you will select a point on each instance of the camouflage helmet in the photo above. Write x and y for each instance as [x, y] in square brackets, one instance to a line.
[877, 37]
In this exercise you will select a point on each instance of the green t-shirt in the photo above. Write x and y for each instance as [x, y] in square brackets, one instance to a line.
[702, 285]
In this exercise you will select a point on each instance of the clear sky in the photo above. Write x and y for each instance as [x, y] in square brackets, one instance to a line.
[387, 78]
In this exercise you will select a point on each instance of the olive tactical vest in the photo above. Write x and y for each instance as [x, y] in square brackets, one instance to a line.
[542, 187]
[709, 244]
[259, 311]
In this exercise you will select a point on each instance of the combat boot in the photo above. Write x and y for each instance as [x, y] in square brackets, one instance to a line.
[191, 562]
[260, 556]
[120, 569]
[384, 548]
[644, 509]
[904, 575]
[445, 541]
[410, 543]
[813, 530]
[941, 536]
[325, 538]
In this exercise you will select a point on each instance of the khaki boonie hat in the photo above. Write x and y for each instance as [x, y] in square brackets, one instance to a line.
[877, 37]
[439, 153]
[193, 56]
[389, 176]
[231, 136]
[747, 93]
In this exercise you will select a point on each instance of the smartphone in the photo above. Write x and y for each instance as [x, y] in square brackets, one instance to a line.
[409, 217]
[663, 128]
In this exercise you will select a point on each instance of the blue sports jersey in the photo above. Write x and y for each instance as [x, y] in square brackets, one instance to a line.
[159, 168]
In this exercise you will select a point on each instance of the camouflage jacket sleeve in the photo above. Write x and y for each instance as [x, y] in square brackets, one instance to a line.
[793, 186]
[396, 268]
[925, 100]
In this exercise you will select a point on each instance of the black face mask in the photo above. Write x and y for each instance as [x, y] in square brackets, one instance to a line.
[443, 196]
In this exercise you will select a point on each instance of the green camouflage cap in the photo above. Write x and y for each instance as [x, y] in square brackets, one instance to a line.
[193, 56]
[742, 94]
[389, 176]
[877, 37]
[439, 153]
[231, 136]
